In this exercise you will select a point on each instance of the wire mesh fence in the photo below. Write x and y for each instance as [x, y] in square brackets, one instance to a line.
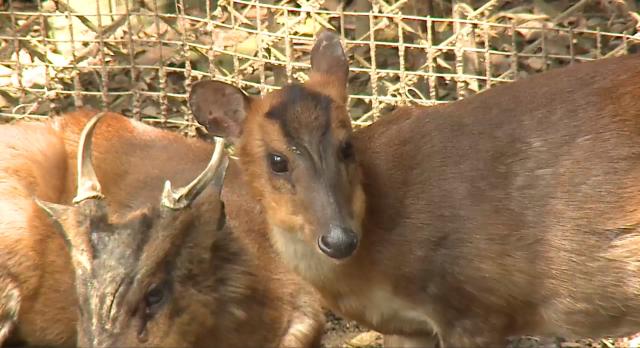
[140, 57]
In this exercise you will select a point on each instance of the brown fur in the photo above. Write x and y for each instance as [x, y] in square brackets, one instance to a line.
[38, 160]
[32, 163]
[522, 218]
[308, 126]
[510, 212]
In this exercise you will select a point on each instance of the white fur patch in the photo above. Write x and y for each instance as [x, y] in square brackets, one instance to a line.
[304, 259]
[300, 333]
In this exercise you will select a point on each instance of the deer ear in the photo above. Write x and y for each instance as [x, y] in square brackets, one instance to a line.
[72, 223]
[57, 212]
[63, 216]
[220, 107]
[328, 57]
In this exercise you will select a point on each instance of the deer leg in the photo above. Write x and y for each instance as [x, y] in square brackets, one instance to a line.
[9, 305]
[397, 341]
[304, 332]
[306, 325]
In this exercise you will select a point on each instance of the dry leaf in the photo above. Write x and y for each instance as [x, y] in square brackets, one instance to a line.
[308, 27]
[363, 340]
[536, 63]
[531, 29]
[248, 47]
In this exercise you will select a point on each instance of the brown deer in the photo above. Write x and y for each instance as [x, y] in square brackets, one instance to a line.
[511, 212]
[151, 272]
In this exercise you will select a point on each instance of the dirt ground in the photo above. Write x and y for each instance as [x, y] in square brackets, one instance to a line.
[341, 333]
[344, 333]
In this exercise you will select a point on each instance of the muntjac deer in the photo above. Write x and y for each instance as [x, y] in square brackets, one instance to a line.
[149, 274]
[516, 211]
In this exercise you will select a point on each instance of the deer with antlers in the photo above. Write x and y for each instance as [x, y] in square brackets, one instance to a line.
[512, 212]
[152, 266]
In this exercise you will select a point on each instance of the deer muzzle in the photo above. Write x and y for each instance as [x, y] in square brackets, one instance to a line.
[339, 243]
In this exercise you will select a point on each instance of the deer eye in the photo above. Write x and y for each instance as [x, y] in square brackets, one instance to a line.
[278, 163]
[346, 151]
[154, 298]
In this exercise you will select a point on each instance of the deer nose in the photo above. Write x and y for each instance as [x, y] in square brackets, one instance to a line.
[338, 243]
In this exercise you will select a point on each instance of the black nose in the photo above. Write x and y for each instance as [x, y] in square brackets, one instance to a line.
[339, 243]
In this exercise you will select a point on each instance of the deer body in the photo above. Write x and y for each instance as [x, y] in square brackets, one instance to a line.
[253, 301]
[511, 212]
[516, 210]
[32, 162]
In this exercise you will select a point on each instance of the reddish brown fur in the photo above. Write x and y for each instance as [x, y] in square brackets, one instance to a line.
[508, 221]
[522, 215]
[32, 163]
[39, 160]
[511, 212]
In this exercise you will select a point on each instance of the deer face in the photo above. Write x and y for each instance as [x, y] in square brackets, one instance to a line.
[165, 276]
[295, 148]
[151, 278]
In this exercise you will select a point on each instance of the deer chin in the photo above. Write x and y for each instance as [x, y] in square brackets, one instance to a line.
[303, 257]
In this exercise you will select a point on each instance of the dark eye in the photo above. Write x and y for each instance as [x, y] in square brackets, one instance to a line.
[154, 297]
[346, 151]
[279, 164]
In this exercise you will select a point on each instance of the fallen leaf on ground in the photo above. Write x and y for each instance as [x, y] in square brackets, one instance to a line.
[365, 339]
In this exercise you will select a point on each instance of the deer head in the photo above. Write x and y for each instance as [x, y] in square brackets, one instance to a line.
[295, 147]
[166, 275]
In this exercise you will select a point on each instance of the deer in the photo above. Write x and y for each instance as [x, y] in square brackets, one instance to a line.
[510, 212]
[114, 255]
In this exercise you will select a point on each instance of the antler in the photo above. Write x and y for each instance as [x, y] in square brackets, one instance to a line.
[88, 185]
[215, 170]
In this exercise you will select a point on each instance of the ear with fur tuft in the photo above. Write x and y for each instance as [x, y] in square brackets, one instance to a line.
[219, 107]
[328, 57]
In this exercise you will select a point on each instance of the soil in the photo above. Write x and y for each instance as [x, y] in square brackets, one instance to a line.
[341, 333]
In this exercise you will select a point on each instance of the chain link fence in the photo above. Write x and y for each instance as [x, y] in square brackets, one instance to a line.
[140, 57]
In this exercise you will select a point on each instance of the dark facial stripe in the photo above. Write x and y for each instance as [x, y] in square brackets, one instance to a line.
[303, 115]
